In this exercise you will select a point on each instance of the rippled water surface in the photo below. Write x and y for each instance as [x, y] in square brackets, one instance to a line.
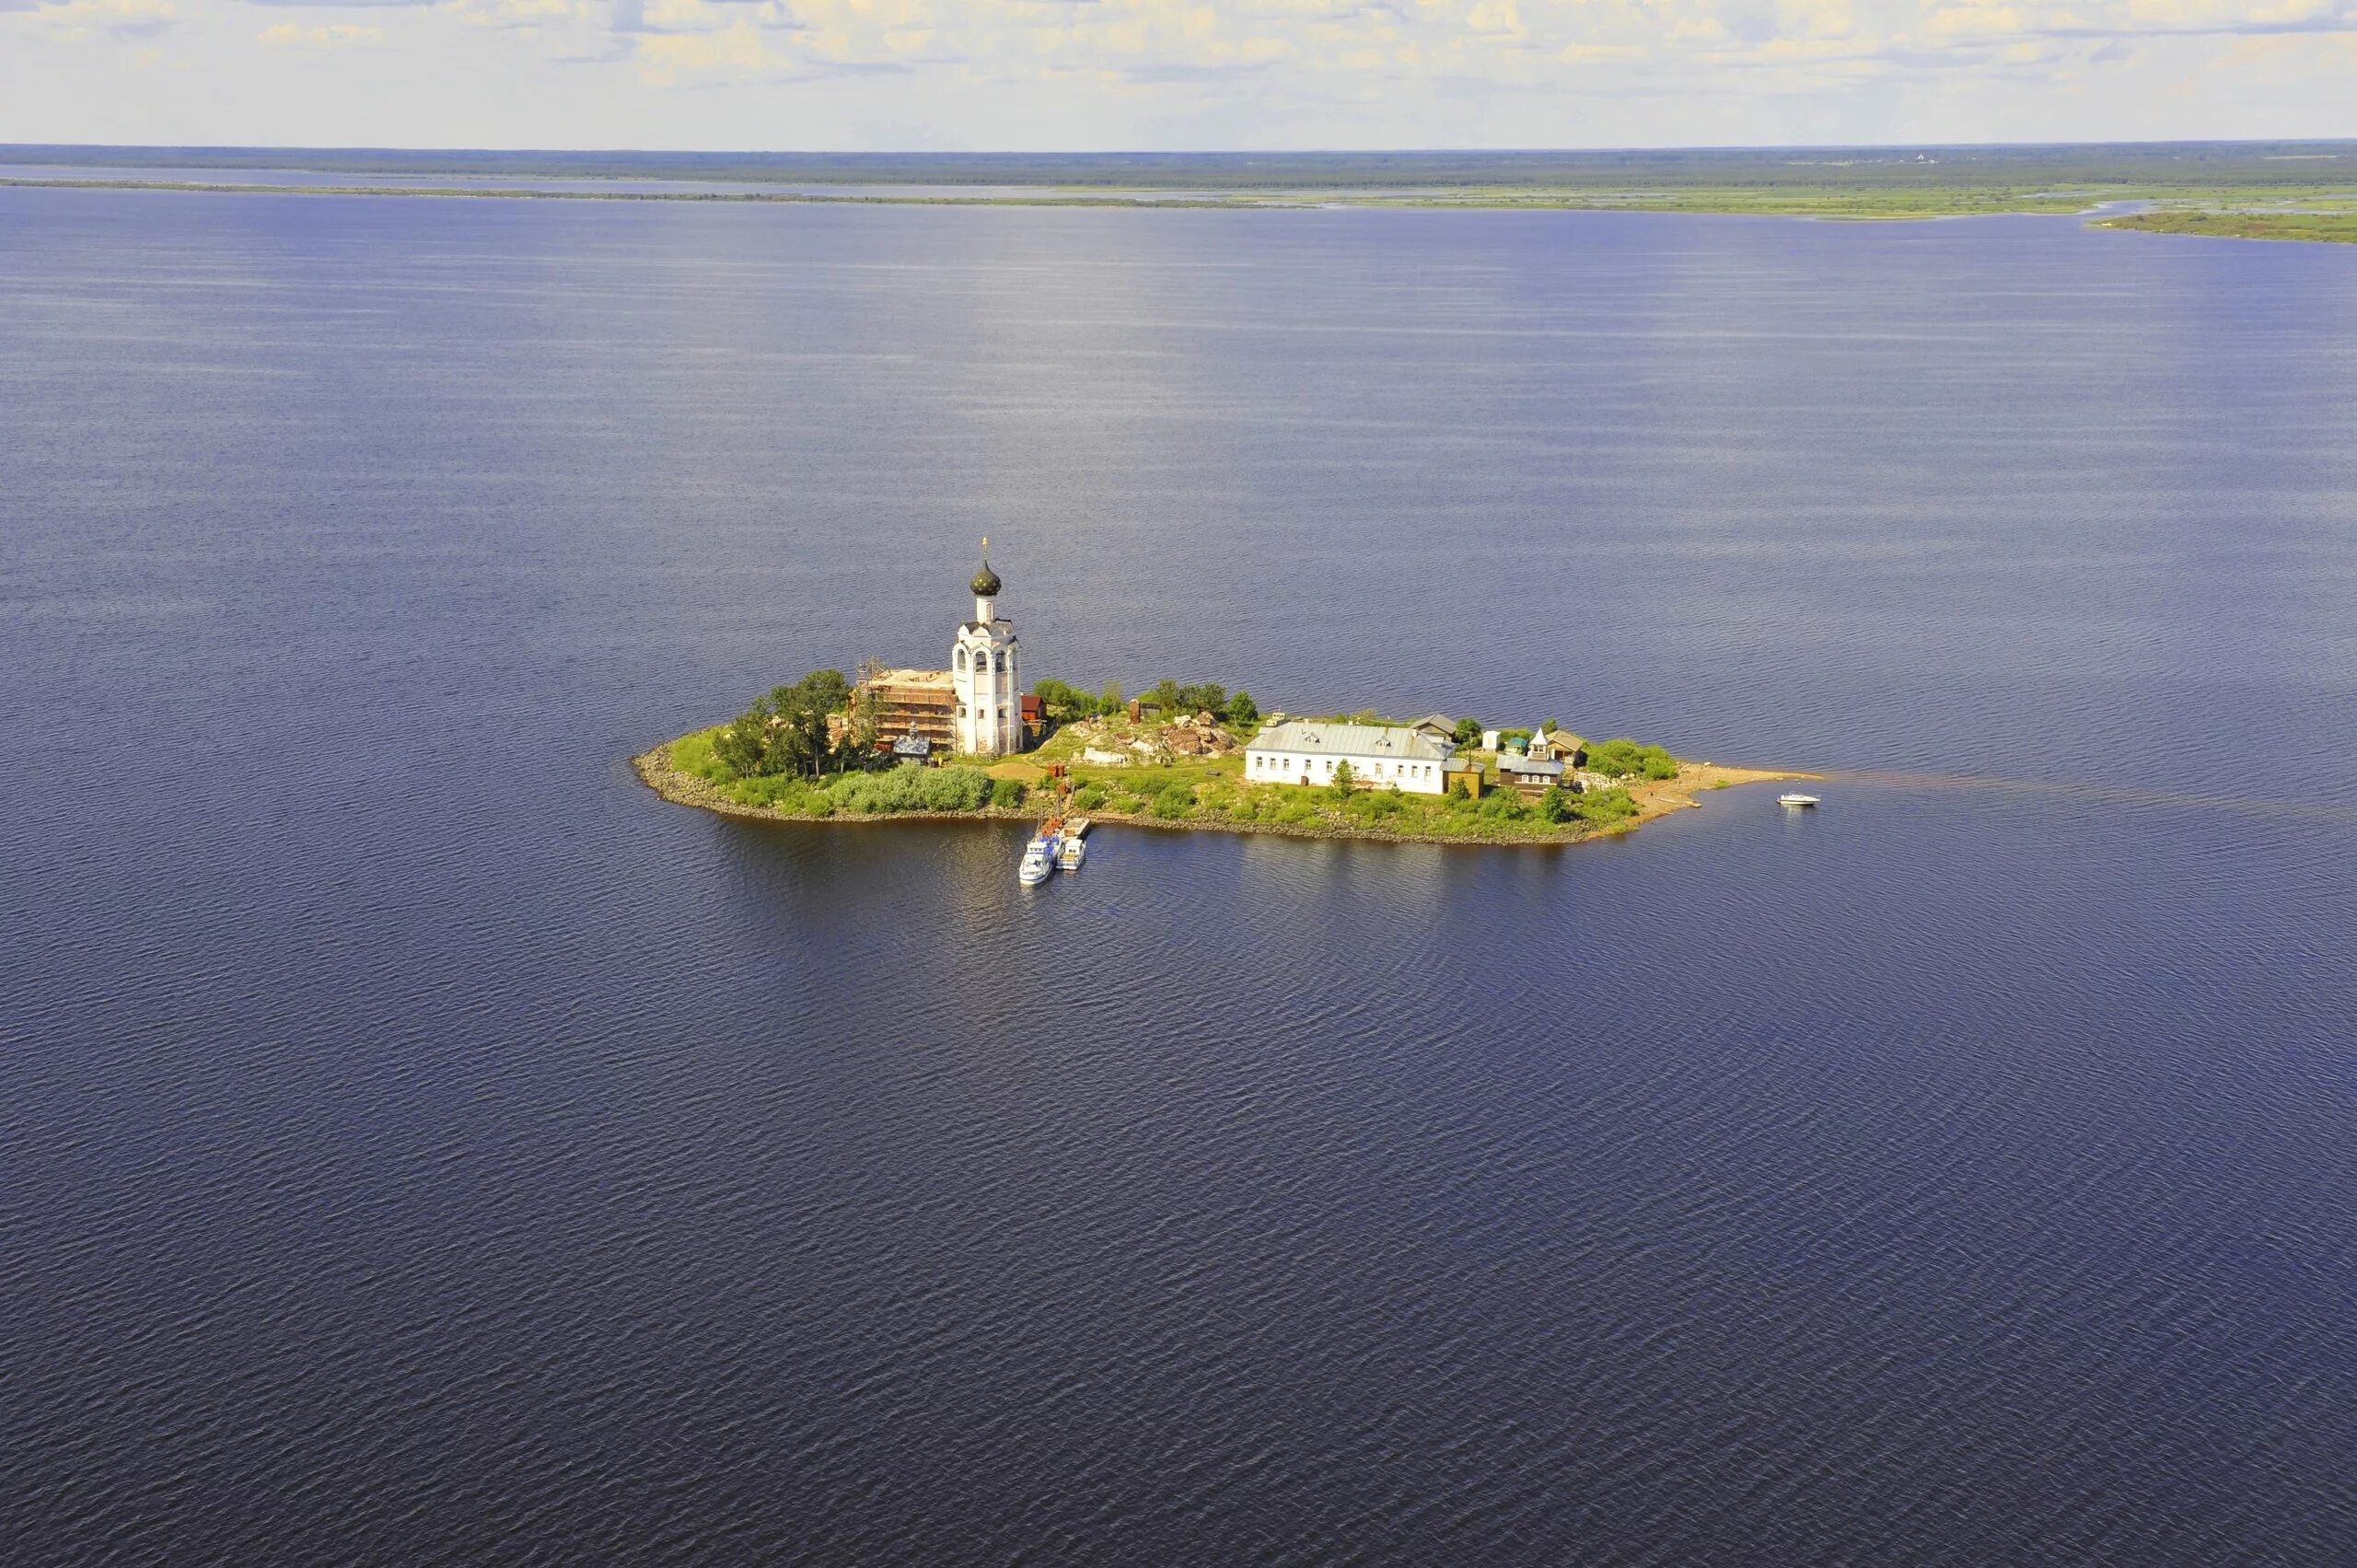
[418, 1143]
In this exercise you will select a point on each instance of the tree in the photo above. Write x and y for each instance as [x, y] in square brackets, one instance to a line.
[1007, 792]
[1346, 779]
[804, 709]
[1112, 698]
[1064, 701]
[1548, 726]
[744, 744]
[1554, 806]
[1243, 710]
[1208, 698]
[1167, 696]
[859, 735]
[1468, 732]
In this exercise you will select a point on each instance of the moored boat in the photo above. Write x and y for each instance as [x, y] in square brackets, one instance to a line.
[1797, 799]
[1039, 855]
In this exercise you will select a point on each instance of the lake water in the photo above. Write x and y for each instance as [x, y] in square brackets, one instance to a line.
[422, 1144]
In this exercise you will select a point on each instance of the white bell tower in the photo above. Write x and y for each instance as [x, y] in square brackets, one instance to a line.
[982, 666]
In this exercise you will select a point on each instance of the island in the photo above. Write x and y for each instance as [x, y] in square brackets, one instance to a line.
[971, 741]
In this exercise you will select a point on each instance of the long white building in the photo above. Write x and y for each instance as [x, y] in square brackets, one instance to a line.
[1306, 751]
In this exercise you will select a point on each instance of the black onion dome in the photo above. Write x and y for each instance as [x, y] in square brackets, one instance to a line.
[986, 584]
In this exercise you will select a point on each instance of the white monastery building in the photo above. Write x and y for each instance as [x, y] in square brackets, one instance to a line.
[983, 673]
[1306, 751]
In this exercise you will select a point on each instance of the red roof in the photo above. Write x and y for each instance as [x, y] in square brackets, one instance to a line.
[1031, 708]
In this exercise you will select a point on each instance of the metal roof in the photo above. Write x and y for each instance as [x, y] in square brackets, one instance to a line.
[1311, 737]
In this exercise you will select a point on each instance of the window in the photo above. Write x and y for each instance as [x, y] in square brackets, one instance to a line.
[998, 662]
[961, 659]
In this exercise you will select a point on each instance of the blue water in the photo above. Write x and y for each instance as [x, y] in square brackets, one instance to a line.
[418, 1144]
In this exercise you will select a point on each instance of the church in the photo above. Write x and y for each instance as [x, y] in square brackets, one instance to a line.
[975, 706]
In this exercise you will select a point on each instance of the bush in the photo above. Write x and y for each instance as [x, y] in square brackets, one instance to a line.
[1554, 806]
[913, 788]
[1089, 799]
[1504, 805]
[1007, 792]
[1604, 806]
[781, 791]
[1624, 757]
[1176, 800]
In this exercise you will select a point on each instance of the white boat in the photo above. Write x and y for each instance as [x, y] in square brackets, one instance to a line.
[1039, 859]
[1069, 852]
[1796, 800]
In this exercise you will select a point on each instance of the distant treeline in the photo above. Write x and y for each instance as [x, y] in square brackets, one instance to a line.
[2148, 163]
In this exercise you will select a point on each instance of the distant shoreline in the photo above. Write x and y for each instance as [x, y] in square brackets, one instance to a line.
[2215, 217]
[1654, 800]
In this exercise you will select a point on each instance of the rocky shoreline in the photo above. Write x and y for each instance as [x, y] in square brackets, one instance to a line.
[1654, 799]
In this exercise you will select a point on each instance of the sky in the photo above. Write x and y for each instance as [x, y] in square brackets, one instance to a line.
[1171, 74]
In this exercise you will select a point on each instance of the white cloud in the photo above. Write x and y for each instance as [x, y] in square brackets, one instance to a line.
[332, 35]
[1184, 73]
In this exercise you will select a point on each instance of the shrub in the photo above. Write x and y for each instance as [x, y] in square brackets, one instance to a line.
[1603, 806]
[1007, 792]
[1554, 806]
[781, 791]
[1176, 800]
[1624, 757]
[1504, 805]
[1294, 810]
[1089, 799]
[913, 788]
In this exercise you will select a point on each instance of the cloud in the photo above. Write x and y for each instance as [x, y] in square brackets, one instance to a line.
[333, 35]
[74, 20]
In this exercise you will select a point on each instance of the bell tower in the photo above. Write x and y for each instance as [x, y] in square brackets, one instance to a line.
[983, 669]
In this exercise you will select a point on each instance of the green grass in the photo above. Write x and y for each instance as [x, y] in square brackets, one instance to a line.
[2227, 223]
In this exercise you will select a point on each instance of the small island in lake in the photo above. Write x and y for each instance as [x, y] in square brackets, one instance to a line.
[970, 741]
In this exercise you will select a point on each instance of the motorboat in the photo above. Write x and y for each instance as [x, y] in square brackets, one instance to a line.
[1797, 799]
[1070, 850]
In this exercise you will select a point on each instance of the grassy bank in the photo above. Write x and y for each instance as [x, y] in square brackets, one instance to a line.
[2330, 227]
